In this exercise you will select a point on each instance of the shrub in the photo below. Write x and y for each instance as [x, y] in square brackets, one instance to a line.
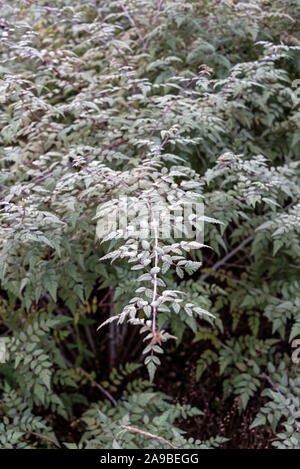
[176, 102]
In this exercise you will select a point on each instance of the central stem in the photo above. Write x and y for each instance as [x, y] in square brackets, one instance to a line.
[156, 258]
[155, 278]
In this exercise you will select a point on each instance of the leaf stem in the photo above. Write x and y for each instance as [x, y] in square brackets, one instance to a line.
[137, 430]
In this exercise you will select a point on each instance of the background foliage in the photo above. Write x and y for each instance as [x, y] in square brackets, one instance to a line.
[194, 100]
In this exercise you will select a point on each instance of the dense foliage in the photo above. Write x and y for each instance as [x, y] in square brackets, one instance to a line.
[194, 101]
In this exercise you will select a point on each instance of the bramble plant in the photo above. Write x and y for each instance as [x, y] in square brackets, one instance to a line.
[164, 105]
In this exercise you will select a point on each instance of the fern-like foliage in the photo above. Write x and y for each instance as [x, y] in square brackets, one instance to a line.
[143, 419]
[173, 102]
